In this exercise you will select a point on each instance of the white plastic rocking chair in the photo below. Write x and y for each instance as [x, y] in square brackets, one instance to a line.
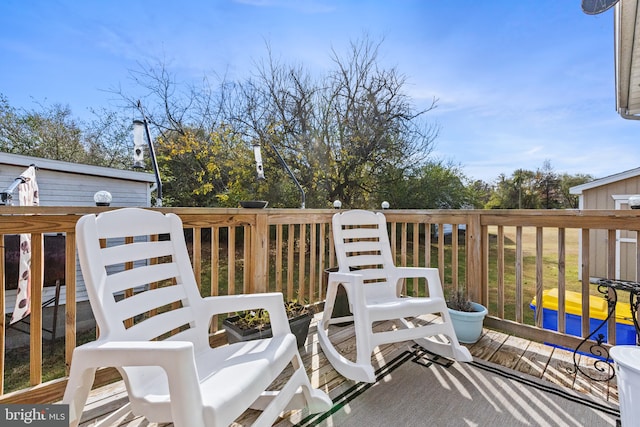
[373, 283]
[170, 371]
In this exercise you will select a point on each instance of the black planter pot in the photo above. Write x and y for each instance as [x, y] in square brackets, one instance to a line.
[299, 327]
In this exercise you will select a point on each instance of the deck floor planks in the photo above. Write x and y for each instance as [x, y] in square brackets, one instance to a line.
[510, 352]
[535, 359]
[488, 344]
[599, 371]
[531, 358]
[561, 369]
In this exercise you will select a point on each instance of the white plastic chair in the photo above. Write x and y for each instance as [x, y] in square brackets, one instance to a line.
[373, 283]
[169, 376]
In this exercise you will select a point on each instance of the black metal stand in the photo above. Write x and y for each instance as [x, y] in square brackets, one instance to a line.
[604, 363]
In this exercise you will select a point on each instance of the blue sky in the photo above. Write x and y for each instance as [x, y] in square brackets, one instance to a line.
[517, 82]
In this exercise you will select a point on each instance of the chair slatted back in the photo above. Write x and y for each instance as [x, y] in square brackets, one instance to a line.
[362, 245]
[140, 284]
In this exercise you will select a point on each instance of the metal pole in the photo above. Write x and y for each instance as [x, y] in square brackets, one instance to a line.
[284, 165]
[152, 152]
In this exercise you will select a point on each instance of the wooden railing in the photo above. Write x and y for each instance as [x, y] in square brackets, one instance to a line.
[288, 250]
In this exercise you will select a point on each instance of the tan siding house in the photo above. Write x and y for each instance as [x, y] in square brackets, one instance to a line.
[611, 192]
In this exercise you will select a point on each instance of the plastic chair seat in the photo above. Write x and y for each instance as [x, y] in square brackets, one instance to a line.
[171, 372]
[228, 378]
[384, 309]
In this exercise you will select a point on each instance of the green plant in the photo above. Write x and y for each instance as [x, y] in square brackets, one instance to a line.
[459, 302]
[259, 319]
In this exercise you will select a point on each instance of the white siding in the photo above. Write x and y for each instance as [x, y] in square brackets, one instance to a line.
[71, 184]
[65, 187]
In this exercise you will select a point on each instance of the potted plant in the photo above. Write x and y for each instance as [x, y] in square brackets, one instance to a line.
[467, 317]
[254, 324]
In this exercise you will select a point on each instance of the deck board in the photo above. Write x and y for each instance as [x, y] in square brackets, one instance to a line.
[561, 369]
[536, 359]
[510, 353]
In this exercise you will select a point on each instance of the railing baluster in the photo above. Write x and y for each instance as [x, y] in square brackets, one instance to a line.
[231, 263]
[403, 244]
[196, 257]
[302, 258]
[561, 280]
[313, 251]
[500, 273]
[454, 258]
[247, 270]
[36, 282]
[612, 273]
[539, 276]
[278, 262]
[290, 260]
[215, 262]
[519, 267]
[321, 259]
[441, 265]
[214, 282]
[585, 281]
[415, 227]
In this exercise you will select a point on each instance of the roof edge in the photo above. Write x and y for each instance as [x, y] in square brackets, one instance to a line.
[578, 189]
[78, 168]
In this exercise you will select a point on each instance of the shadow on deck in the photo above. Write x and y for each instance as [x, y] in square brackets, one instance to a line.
[535, 359]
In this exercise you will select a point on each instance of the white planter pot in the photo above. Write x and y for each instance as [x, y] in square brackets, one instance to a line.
[627, 362]
[468, 324]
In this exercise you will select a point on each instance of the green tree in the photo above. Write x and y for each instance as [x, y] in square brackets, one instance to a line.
[107, 139]
[479, 193]
[568, 200]
[52, 132]
[435, 185]
[517, 192]
[548, 187]
[205, 170]
[543, 189]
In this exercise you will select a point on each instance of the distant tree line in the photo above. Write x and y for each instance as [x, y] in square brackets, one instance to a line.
[352, 134]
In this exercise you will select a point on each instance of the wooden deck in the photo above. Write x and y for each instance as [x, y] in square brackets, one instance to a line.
[536, 359]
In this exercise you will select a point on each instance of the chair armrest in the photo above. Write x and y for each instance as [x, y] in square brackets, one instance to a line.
[175, 358]
[351, 281]
[135, 353]
[432, 276]
[273, 302]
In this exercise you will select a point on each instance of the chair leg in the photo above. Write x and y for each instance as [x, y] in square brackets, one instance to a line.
[361, 370]
[316, 400]
[77, 391]
[435, 344]
[296, 393]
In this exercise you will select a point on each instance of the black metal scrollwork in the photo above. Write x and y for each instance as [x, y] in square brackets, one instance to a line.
[603, 362]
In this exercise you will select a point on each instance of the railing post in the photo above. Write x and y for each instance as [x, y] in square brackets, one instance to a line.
[259, 254]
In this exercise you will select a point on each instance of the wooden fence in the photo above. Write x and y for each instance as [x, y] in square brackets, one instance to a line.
[288, 250]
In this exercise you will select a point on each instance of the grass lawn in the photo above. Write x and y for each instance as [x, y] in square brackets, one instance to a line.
[549, 267]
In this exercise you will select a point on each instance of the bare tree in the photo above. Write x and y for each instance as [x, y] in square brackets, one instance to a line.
[369, 125]
[343, 133]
